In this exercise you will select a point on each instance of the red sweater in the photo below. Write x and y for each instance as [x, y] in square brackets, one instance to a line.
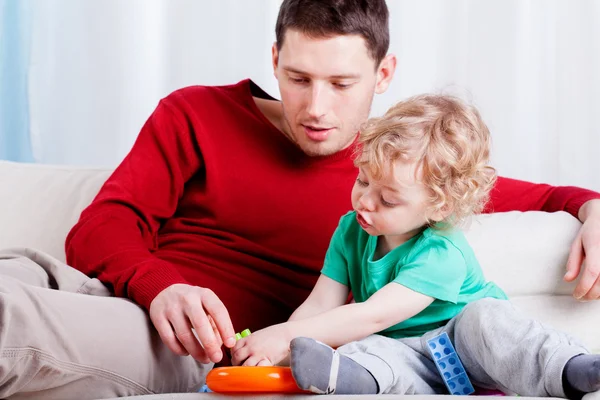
[212, 194]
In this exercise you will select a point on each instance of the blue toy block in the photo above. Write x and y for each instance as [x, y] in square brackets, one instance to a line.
[449, 365]
[204, 389]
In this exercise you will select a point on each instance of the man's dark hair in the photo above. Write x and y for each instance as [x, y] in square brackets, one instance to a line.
[326, 18]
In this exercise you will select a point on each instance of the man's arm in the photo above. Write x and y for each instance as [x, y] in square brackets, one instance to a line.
[584, 257]
[515, 195]
[585, 254]
[116, 235]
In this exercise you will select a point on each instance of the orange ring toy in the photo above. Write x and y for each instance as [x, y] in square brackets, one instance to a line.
[252, 380]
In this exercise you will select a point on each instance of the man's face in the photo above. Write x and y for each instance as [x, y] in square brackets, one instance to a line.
[327, 87]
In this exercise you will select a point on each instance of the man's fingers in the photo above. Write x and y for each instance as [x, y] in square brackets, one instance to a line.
[264, 363]
[216, 309]
[594, 293]
[587, 280]
[184, 325]
[204, 330]
[167, 335]
[591, 274]
[215, 330]
[185, 335]
[575, 260]
[592, 266]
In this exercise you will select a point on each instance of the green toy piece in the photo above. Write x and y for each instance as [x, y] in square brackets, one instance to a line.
[245, 332]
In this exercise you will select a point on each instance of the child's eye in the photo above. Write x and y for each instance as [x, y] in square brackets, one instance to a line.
[361, 182]
[387, 203]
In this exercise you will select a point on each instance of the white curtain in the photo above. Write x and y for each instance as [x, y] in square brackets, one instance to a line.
[99, 67]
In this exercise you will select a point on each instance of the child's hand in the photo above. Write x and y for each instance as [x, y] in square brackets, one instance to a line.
[266, 347]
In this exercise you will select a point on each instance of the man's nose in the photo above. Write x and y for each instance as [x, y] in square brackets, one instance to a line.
[318, 101]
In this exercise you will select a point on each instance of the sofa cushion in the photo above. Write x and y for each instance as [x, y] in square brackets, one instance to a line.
[525, 253]
[39, 203]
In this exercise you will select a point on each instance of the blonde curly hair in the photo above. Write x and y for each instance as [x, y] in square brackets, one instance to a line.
[448, 140]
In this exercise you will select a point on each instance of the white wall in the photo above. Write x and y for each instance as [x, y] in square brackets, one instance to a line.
[99, 68]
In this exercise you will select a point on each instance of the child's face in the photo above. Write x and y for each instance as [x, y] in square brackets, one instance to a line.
[395, 206]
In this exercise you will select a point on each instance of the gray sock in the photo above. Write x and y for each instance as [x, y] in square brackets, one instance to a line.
[311, 363]
[582, 375]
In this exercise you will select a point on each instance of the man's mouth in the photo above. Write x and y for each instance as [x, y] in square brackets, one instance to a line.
[317, 133]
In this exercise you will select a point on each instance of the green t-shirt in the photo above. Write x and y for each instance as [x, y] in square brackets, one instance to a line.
[439, 264]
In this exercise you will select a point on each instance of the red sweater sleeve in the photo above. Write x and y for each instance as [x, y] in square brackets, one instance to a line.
[514, 195]
[116, 235]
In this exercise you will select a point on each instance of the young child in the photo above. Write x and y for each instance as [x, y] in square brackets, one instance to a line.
[423, 169]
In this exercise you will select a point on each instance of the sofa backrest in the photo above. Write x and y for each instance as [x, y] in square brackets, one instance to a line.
[39, 203]
[524, 253]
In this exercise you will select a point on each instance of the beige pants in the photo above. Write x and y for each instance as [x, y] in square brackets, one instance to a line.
[63, 336]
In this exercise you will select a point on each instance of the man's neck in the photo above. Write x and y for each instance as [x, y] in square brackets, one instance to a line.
[273, 111]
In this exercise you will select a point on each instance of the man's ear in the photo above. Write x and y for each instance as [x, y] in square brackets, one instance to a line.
[385, 73]
[275, 58]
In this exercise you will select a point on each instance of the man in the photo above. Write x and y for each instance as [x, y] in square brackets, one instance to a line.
[220, 217]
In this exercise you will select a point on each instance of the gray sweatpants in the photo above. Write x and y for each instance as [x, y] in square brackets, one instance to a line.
[63, 336]
[499, 347]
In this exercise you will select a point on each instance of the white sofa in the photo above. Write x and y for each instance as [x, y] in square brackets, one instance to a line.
[524, 253]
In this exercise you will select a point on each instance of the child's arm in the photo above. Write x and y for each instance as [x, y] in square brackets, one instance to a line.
[389, 306]
[392, 304]
[326, 295]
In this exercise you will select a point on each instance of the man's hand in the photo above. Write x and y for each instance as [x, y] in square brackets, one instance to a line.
[266, 347]
[584, 258]
[180, 308]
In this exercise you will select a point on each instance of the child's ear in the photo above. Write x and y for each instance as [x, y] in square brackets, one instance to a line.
[441, 214]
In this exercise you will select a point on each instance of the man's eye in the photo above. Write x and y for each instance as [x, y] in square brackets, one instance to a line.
[342, 85]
